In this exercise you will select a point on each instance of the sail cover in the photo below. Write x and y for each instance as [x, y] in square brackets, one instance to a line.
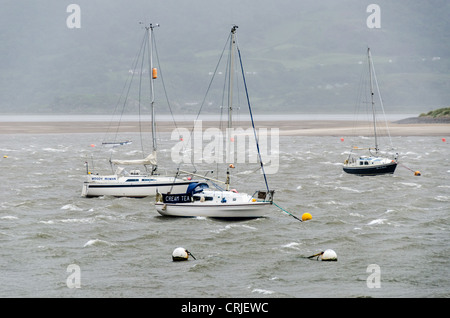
[150, 160]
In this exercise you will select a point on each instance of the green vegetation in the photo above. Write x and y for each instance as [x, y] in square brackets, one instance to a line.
[438, 113]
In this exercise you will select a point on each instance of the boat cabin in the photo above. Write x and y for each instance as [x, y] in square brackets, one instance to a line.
[365, 161]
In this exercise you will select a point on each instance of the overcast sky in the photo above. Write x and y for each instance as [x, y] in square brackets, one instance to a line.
[37, 36]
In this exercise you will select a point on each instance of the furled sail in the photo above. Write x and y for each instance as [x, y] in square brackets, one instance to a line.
[150, 160]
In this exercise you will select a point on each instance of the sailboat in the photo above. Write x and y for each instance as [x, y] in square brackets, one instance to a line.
[134, 183]
[202, 201]
[371, 160]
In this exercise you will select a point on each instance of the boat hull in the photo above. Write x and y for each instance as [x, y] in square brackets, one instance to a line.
[225, 210]
[371, 170]
[131, 189]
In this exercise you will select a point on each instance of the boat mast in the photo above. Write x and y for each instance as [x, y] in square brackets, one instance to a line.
[230, 94]
[372, 100]
[230, 83]
[152, 93]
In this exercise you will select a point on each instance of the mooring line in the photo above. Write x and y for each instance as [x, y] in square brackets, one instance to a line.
[287, 212]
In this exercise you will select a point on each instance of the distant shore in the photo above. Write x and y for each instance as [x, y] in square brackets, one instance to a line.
[286, 127]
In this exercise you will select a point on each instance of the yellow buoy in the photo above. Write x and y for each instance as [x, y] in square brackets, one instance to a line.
[306, 216]
[5, 156]
[417, 173]
[154, 73]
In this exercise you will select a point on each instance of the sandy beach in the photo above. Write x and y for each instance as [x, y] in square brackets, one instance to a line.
[286, 127]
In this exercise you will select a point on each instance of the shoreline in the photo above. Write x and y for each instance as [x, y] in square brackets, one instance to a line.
[286, 127]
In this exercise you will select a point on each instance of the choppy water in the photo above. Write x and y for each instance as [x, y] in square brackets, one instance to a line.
[123, 247]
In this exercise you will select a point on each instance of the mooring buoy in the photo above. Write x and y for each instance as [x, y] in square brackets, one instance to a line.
[181, 254]
[326, 256]
[329, 255]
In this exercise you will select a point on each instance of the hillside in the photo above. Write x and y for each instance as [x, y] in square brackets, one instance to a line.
[438, 113]
[437, 116]
[301, 56]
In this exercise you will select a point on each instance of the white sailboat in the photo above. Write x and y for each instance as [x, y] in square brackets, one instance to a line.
[370, 160]
[134, 183]
[202, 201]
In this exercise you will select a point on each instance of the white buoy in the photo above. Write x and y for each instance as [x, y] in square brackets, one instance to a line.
[180, 254]
[329, 255]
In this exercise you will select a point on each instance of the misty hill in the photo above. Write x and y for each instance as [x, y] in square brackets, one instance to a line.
[301, 56]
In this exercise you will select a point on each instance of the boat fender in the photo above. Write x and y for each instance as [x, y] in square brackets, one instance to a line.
[223, 200]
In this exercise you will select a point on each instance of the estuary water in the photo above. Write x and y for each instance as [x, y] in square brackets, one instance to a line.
[121, 247]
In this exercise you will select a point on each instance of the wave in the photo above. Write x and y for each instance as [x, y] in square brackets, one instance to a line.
[231, 226]
[54, 150]
[411, 184]
[97, 242]
[348, 189]
[262, 291]
[378, 221]
[442, 198]
[71, 207]
[9, 217]
[293, 245]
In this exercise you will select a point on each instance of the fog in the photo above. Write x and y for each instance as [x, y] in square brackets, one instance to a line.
[301, 56]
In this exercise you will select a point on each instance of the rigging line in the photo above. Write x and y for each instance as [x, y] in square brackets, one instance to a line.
[206, 94]
[212, 79]
[251, 116]
[115, 108]
[134, 66]
[358, 101]
[381, 104]
[222, 104]
[164, 85]
[127, 82]
[151, 82]
[139, 98]
[226, 76]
